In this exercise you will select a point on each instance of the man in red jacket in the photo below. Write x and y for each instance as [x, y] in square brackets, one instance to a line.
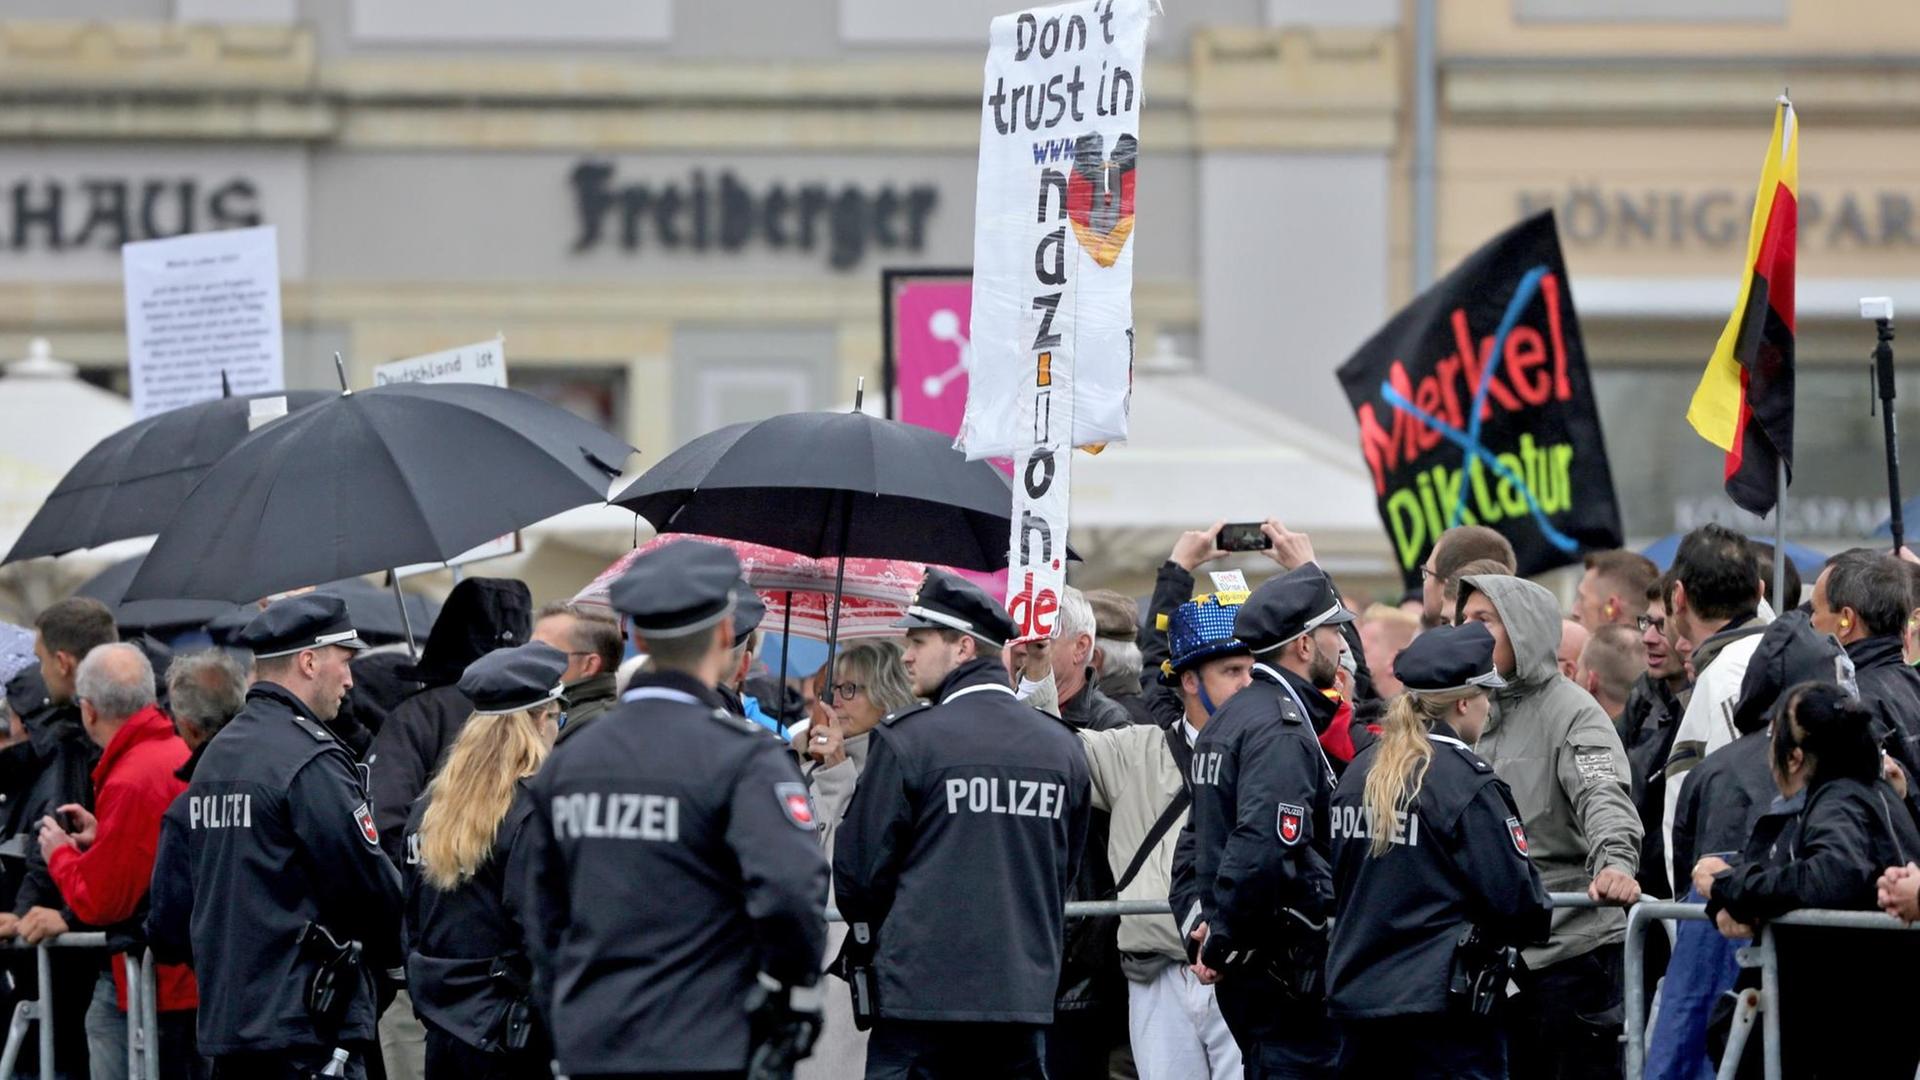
[104, 865]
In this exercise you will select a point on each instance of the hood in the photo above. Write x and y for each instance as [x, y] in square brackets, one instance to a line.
[480, 615]
[1790, 652]
[1532, 619]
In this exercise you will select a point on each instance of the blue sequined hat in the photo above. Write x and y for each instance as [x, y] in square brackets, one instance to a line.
[1199, 630]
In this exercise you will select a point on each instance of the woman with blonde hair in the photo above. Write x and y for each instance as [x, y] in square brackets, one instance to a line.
[1433, 887]
[467, 965]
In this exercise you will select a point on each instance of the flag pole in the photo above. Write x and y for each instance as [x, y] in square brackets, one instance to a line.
[1780, 605]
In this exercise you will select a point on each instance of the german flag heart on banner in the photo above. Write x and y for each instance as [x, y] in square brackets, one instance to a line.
[1100, 195]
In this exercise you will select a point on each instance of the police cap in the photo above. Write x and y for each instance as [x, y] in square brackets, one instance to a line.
[748, 611]
[1285, 607]
[946, 601]
[511, 680]
[1449, 658]
[678, 589]
[298, 623]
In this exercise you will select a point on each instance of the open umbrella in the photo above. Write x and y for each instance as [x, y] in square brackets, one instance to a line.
[370, 480]
[131, 482]
[375, 612]
[795, 588]
[832, 485]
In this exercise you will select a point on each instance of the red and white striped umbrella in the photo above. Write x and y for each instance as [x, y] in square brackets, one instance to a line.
[876, 591]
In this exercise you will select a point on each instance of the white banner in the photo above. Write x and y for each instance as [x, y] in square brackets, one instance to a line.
[1052, 324]
[1052, 262]
[199, 306]
[483, 362]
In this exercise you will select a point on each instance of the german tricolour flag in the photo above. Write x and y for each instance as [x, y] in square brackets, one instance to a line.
[1744, 403]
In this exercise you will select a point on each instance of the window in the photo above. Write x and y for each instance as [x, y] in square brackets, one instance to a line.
[1664, 11]
[602, 22]
[594, 393]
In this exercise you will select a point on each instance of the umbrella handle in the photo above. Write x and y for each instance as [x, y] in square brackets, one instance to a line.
[406, 622]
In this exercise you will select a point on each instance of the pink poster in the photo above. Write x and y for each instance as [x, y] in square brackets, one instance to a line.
[930, 313]
[931, 351]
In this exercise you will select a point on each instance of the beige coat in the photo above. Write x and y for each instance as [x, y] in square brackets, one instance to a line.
[842, 1048]
[1134, 778]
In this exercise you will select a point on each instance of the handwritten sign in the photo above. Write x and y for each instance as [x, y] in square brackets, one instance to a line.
[199, 306]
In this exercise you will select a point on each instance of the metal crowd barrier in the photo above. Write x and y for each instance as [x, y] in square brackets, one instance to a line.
[143, 1029]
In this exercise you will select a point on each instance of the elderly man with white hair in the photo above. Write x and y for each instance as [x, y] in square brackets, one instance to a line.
[103, 860]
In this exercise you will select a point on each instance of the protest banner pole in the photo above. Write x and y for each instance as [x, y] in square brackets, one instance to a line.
[1890, 428]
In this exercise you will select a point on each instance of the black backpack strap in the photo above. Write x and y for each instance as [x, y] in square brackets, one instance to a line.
[1182, 755]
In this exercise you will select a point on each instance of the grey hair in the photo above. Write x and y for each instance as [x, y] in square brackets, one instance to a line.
[1119, 656]
[206, 688]
[113, 698]
[1076, 615]
[876, 666]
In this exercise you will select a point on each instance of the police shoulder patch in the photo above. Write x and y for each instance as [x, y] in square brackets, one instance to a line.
[736, 722]
[895, 717]
[1292, 824]
[363, 817]
[1518, 834]
[319, 733]
[795, 803]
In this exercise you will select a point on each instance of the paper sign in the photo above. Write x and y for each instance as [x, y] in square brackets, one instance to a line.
[484, 363]
[1228, 581]
[197, 306]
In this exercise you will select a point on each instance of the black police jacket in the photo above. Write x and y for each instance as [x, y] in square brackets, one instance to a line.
[671, 857]
[280, 836]
[1458, 859]
[957, 849]
[1259, 825]
[467, 961]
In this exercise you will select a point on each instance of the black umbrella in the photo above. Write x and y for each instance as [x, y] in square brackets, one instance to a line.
[399, 474]
[832, 485]
[132, 481]
[375, 613]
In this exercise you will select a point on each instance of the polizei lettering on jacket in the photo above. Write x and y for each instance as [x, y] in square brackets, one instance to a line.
[617, 815]
[1356, 823]
[1017, 798]
[220, 812]
[1206, 767]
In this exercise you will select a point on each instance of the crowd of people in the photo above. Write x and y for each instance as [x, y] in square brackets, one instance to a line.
[567, 840]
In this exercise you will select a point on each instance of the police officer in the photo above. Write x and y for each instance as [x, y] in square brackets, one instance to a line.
[953, 860]
[1252, 888]
[468, 971]
[1435, 890]
[676, 891]
[295, 906]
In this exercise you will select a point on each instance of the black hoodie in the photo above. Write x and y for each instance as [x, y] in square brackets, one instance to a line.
[480, 615]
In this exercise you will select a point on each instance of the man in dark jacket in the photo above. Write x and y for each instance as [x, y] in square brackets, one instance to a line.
[1861, 599]
[480, 615]
[1647, 727]
[1252, 883]
[976, 795]
[592, 643]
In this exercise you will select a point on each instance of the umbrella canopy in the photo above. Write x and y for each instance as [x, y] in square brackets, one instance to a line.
[399, 474]
[52, 417]
[1805, 559]
[828, 484]
[876, 591]
[131, 482]
[375, 614]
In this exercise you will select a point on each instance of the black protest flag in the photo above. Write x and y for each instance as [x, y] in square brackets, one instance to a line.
[1475, 407]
